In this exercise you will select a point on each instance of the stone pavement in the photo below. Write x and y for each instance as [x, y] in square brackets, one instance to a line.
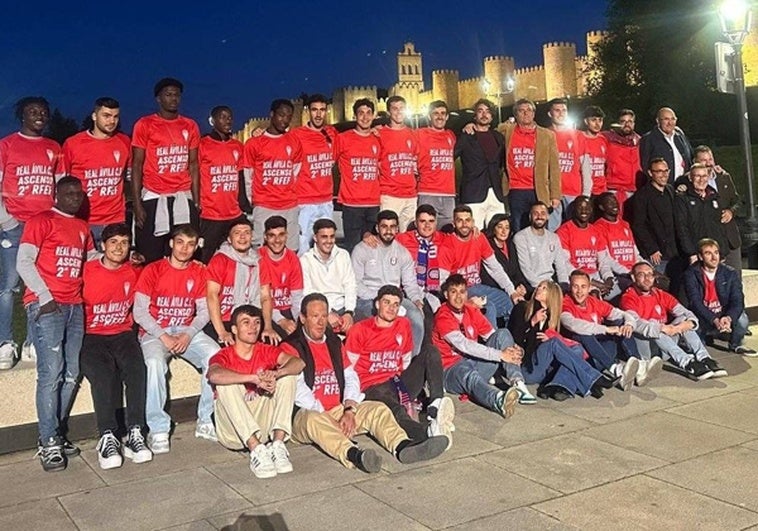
[674, 455]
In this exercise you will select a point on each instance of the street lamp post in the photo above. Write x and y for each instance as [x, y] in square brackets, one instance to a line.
[735, 19]
[505, 87]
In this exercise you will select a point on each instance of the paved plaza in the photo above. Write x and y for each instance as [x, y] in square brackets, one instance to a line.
[674, 455]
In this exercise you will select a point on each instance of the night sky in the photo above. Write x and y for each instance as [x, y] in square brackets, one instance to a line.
[258, 50]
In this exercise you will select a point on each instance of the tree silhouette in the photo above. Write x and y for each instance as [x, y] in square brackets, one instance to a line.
[60, 127]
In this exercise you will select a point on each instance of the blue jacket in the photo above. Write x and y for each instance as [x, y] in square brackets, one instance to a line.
[728, 289]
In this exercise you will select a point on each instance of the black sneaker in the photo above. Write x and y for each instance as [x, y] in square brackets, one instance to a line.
[69, 448]
[135, 447]
[108, 454]
[414, 451]
[698, 370]
[365, 460]
[51, 455]
[717, 370]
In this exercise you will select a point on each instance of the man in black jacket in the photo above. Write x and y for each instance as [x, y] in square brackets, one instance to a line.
[668, 142]
[482, 155]
[329, 406]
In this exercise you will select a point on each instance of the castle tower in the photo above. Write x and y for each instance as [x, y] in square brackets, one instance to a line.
[560, 69]
[594, 38]
[445, 87]
[497, 70]
[409, 68]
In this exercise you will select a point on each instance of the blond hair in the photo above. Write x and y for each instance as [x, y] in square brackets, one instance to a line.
[554, 302]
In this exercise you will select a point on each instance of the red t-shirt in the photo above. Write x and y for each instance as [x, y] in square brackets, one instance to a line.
[222, 270]
[167, 144]
[397, 163]
[652, 306]
[315, 183]
[570, 148]
[357, 157]
[220, 164]
[622, 165]
[619, 239]
[275, 161]
[283, 276]
[471, 323]
[596, 147]
[380, 350]
[63, 242]
[325, 388]
[465, 257]
[711, 296]
[173, 292]
[583, 245]
[265, 358]
[520, 159]
[436, 163]
[108, 298]
[594, 309]
[29, 167]
[101, 164]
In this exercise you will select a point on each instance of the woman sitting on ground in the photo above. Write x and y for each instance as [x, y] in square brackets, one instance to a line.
[499, 237]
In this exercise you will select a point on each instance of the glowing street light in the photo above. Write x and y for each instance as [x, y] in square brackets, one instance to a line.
[504, 88]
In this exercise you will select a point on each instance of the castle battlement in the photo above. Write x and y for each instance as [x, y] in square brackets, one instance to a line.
[472, 80]
[597, 34]
[360, 88]
[558, 45]
[445, 71]
[498, 58]
[526, 69]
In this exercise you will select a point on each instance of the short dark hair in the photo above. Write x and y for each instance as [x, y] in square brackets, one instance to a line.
[485, 102]
[363, 102]
[462, 208]
[323, 223]
[389, 289]
[640, 264]
[625, 112]
[185, 229]
[494, 221]
[593, 111]
[68, 180]
[312, 297]
[281, 102]
[167, 82]
[702, 148]
[426, 209]
[246, 309]
[23, 103]
[274, 222]
[393, 99]
[105, 101]
[218, 109]
[239, 221]
[538, 203]
[436, 104]
[656, 160]
[579, 273]
[387, 214]
[557, 101]
[316, 98]
[456, 279]
[115, 229]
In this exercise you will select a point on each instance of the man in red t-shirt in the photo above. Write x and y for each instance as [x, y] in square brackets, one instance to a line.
[469, 364]
[623, 169]
[357, 155]
[165, 172]
[255, 392]
[101, 158]
[171, 308]
[281, 270]
[272, 162]
[220, 160]
[595, 149]
[331, 408]
[53, 249]
[398, 164]
[29, 166]
[618, 237]
[111, 358]
[380, 351]
[315, 184]
[436, 164]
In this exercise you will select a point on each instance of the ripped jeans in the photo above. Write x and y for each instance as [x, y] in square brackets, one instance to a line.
[57, 338]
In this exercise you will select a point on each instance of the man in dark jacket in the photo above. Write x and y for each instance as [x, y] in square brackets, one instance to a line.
[329, 406]
[668, 142]
[715, 295]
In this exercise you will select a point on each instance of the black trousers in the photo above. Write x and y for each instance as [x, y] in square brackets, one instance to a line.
[425, 368]
[214, 233]
[110, 362]
[156, 247]
[355, 222]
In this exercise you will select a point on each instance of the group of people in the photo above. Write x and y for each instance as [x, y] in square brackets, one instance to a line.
[525, 272]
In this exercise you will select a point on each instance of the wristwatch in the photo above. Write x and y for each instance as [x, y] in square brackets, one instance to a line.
[349, 408]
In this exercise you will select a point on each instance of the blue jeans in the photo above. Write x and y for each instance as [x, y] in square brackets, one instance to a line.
[499, 303]
[520, 202]
[560, 214]
[470, 376]
[199, 351]
[681, 348]
[9, 240]
[555, 363]
[604, 349]
[364, 309]
[57, 338]
[739, 329]
[307, 217]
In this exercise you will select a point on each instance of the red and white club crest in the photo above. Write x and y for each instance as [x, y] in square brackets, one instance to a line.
[288, 149]
[116, 155]
[373, 148]
[602, 150]
[399, 339]
[127, 285]
[236, 155]
[50, 154]
[593, 240]
[658, 309]
[570, 144]
[185, 135]
[449, 142]
[470, 331]
[409, 143]
[83, 237]
[190, 285]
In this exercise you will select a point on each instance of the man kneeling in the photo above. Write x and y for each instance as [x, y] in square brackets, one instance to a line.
[255, 392]
[331, 407]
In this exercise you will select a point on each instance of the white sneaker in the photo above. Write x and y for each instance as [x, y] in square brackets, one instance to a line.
[108, 455]
[159, 443]
[135, 447]
[281, 457]
[525, 397]
[261, 463]
[442, 424]
[648, 370]
[28, 352]
[629, 373]
[206, 431]
[7, 355]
